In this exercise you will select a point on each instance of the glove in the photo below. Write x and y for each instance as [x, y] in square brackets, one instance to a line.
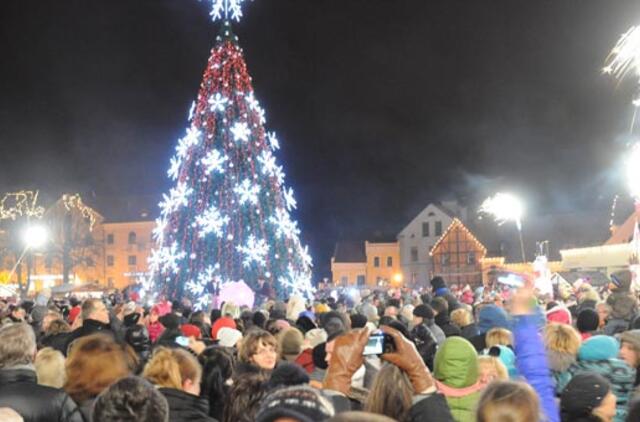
[345, 360]
[407, 358]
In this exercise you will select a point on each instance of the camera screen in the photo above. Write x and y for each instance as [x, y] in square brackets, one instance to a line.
[375, 345]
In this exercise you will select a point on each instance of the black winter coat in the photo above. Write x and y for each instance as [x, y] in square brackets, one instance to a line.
[449, 328]
[55, 341]
[186, 407]
[88, 328]
[20, 391]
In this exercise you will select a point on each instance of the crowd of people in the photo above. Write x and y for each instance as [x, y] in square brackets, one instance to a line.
[446, 354]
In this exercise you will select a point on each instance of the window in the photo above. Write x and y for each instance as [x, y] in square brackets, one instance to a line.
[110, 239]
[132, 260]
[438, 229]
[344, 280]
[471, 258]
[389, 261]
[444, 259]
[425, 229]
[361, 281]
[376, 261]
[132, 238]
[90, 262]
[110, 260]
[414, 254]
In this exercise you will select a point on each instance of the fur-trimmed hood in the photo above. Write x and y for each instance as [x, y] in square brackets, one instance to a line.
[560, 361]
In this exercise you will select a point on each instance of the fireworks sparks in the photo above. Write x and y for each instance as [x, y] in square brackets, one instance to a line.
[504, 207]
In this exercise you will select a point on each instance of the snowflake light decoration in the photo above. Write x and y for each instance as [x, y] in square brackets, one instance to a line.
[226, 9]
[247, 192]
[190, 139]
[174, 167]
[166, 258]
[285, 227]
[240, 131]
[255, 250]
[211, 221]
[218, 102]
[299, 282]
[273, 141]
[268, 162]
[213, 161]
[177, 198]
[289, 199]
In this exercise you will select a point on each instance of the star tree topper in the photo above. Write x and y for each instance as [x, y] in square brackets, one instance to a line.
[226, 10]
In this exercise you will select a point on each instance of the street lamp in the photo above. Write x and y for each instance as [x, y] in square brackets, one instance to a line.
[506, 207]
[34, 236]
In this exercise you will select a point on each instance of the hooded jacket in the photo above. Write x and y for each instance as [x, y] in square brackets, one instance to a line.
[186, 407]
[444, 322]
[623, 305]
[456, 374]
[599, 354]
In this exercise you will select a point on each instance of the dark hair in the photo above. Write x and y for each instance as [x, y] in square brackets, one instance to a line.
[131, 399]
[440, 305]
[217, 367]
[245, 397]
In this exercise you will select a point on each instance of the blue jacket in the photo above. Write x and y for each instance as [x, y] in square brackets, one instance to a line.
[531, 361]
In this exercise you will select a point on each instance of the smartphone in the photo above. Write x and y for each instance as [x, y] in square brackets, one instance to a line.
[375, 345]
[182, 341]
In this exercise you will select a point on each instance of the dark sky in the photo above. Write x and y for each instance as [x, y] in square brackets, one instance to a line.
[380, 105]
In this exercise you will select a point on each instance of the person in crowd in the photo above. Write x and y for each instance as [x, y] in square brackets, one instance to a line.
[19, 389]
[201, 320]
[489, 316]
[441, 309]
[599, 355]
[223, 321]
[297, 403]
[55, 335]
[588, 398]
[130, 399]
[136, 334]
[153, 324]
[9, 415]
[229, 337]
[95, 319]
[290, 343]
[440, 289]
[630, 351]
[562, 343]
[588, 323]
[391, 394]
[587, 297]
[245, 397]
[178, 376]
[423, 314]
[508, 401]
[217, 371]
[93, 363]
[456, 374]
[498, 337]
[75, 310]
[171, 332]
[463, 318]
[623, 305]
[17, 313]
[558, 313]
[257, 352]
[490, 369]
[604, 312]
[49, 366]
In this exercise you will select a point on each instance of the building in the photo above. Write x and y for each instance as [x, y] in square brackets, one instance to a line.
[418, 238]
[366, 263]
[127, 248]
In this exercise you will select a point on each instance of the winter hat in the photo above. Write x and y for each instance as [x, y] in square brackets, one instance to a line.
[190, 330]
[358, 321]
[492, 316]
[321, 308]
[632, 338]
[622, 280]
[319, 355]
[588, 320]
[437, 283]
[290, 341]
[38, 313]
[301, 403]
[309, 315]
[598, 348]
[316, 336]
[228, 337]
[304, 323]
[259, 319]
[585, 392]
[559, 314]
[221, 322]
[282, 324]
[423, 311]
[129, 308]
[170, 321]
[287, 374]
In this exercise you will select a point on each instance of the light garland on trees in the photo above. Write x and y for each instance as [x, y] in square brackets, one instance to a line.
[20, 204]
[74, 202]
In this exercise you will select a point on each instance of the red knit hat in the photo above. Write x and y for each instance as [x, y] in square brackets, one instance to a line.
[190, 330]
[221, 322]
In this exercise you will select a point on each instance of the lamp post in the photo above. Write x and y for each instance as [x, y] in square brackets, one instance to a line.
[34, 237]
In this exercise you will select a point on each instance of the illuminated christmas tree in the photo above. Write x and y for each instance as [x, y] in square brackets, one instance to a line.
[228, 216]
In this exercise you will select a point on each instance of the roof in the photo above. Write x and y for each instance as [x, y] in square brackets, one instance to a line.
[624, 232]
[439, 206]
[595, 278]
[350, 251]
[455, 224]
[117, 209]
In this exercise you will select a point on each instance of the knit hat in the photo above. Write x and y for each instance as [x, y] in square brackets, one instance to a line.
[632, 338]
[287, 374]
[588, 320]
[507, 357]
[585, 392]
[304, 323]
[321, 308]
[437, 283]
[492, 316]
[228, 337]
[190, 330]
[301, 403]
[423, 311]
[622, 280]
[282, 324]
[259, 319]
[599, 347]
[316, 336]
[319, 355]
[170, 321]
[358, 321]
[221, 322]
[290, 341]
[559, 314]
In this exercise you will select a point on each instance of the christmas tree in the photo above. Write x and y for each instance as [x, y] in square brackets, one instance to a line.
[227, 218]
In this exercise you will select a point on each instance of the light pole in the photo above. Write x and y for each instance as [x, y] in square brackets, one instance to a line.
[34, 237]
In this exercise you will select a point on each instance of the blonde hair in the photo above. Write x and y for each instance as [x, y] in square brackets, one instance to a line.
[498, 337]
[508, 401]
[461, 317]
[588, 293]
[50, 368]
[562, 338]
[170, 368]
[496, 365]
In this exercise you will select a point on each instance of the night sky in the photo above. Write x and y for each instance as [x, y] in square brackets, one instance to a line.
[380, 106]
